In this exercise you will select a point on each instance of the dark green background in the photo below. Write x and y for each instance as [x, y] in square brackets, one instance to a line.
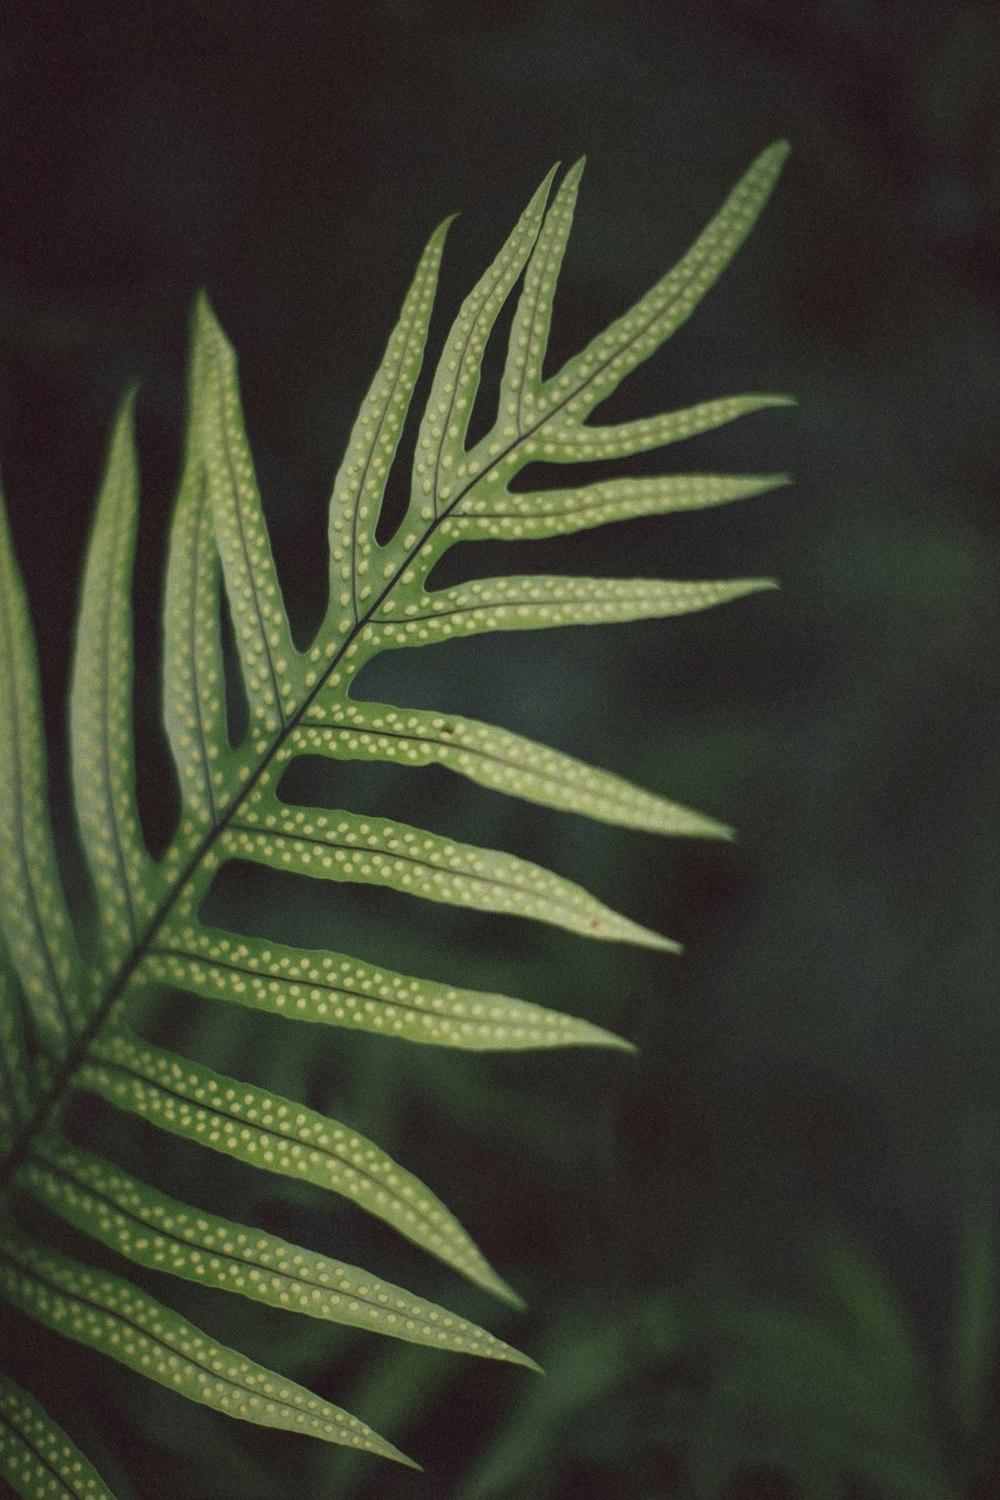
[826, 1055]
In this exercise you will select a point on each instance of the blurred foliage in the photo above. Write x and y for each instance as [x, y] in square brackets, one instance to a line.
[823, 1066]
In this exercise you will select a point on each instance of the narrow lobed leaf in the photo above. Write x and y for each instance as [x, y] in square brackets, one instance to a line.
[194, 709]
[33, 913]
[524, 516]
[539, 601]
[37, 1459]
[333, 845]
[101, 729]
[113, 1316]
[529, 336]
[268, 658]
[569, 442]
[340, 991]
[359, 487]
[265, 1130]
[153, 1230]
[494, 757]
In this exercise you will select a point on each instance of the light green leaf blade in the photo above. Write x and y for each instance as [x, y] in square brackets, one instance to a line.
[333, 989]
[153, 1230]
[526, 516]
[493, 757]
[593, 374]
[269, 660]
[36, 1457]
[529, 334]
[581, 443]
[438, 461]
[193, 679]
[342, 846]
[359, 487]
[33, 913]
[113, 1316]
[540, 601]
[265, 1130]
[101, 733]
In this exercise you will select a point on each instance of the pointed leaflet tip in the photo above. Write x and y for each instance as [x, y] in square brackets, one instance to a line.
[503, 1290]
[770, 161]
[101, 711]
[202, 317]
[437, 238]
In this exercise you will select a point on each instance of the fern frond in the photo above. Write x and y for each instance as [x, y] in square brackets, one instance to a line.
[71, 1034]
[587, 444]
[359, 486]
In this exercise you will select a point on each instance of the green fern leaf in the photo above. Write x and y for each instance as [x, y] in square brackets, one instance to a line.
[494, 758]
[313, 985]
[36, 1456]
[194, 709]
[537, 602]
[124, 880]
[343, 846]
[33, 912]
[262, 1129]
[153, 1230]
[117, 1318]
[70, 1032]
[359, 486]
